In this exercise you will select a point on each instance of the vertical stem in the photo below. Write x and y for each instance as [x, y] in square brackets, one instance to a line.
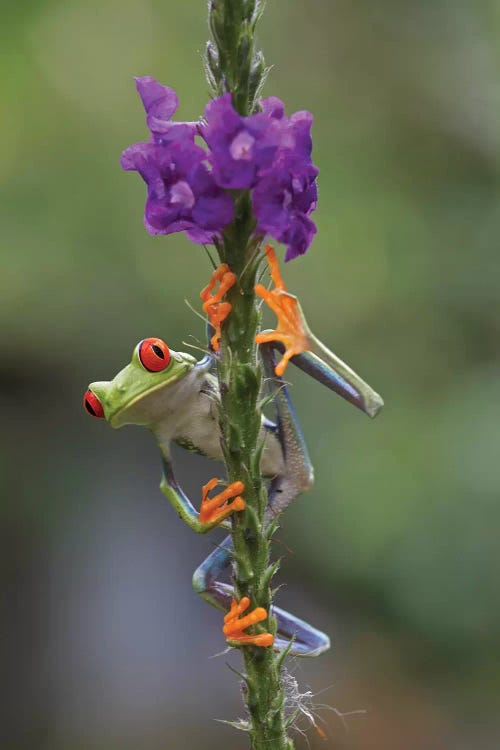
[232, 65]
[239, 375]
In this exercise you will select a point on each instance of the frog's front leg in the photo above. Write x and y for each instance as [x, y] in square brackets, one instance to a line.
[213, 510]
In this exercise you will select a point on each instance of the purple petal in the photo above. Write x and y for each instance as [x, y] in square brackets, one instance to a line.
[273, 107]
[300, 125]
[213, 211]
[160, 102]
[140, 157]
[299, 237]
[200, 236]
[221, 117]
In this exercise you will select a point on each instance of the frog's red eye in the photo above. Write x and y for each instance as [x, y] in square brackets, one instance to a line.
[92, 404]
[154, 354]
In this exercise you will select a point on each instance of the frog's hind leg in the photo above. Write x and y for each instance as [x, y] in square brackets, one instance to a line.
[307, 640]
[298, 474]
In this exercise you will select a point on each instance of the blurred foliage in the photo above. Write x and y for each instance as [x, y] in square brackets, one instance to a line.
[402, 282]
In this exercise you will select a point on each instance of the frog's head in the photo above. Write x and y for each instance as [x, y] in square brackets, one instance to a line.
[134, 394]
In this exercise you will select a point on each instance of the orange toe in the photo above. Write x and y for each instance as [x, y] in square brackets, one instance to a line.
[234, 625]
[216, 310]
[292, 330]
[216, 509]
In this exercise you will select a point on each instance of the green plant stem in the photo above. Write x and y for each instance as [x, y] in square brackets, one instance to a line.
[233, 65]
[240, 380]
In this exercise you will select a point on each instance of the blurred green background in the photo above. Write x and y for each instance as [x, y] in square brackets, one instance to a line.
[396, 551]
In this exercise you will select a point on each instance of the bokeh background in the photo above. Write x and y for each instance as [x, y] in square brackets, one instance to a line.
[396, 551]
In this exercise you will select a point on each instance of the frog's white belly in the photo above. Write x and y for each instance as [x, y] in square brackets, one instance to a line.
[192, 419]
[201, 430]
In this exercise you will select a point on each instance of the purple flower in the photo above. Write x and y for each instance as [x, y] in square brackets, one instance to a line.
[267, 153]
[241, 146]
[182, 194]
[160, 103]
[283, 199]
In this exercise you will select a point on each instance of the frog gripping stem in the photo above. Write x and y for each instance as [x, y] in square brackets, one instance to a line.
[253, 177]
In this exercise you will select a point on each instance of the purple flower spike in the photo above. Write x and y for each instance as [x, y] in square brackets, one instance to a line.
[182, 194]
[240, 146]
[267, 153]
[282, 201]
[160, 103]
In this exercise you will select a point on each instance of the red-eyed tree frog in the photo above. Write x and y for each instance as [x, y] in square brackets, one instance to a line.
[175, 397]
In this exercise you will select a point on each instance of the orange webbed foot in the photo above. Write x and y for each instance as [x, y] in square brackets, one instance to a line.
[234, 625]
[292, 330]
[216, 509]
[217, 310]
